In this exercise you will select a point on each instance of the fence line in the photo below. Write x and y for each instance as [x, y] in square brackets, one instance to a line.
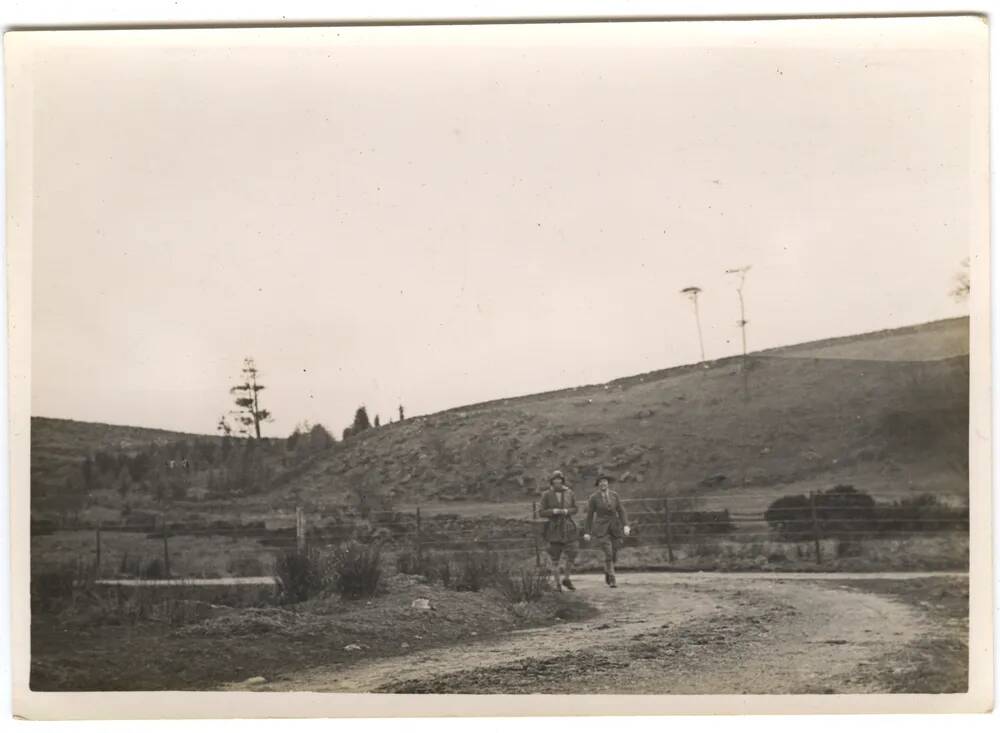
[662, 524]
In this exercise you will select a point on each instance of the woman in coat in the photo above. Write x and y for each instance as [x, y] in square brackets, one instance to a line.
[557, 507]
[607, 523]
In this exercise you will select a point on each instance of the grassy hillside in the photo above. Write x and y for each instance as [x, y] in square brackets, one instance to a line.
[58, 446]
[810, 416]
[891, 427]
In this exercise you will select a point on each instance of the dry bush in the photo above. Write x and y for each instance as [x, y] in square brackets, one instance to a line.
[300, 575]
[524, 584]
[357, 569]
[477, 570]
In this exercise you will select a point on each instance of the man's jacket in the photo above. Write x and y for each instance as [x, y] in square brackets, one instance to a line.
[605, 515]
[559, 527]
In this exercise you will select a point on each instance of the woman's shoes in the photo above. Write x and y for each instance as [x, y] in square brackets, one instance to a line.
[611, 582]
[569, 584]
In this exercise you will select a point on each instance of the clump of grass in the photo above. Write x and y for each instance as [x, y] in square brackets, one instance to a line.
[438, 569]
[352, 570]
[408, 562]
[523, 584]
[477, 570]
[301, 575]
[357, 569]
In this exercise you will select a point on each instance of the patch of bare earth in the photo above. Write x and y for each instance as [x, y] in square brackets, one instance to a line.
[662, 633]
[71, 652]
[937, 660]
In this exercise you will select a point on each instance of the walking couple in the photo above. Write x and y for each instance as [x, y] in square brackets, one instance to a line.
[606, 523]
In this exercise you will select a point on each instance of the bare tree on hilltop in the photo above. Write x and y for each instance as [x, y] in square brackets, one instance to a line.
[741, 273]
[692, 294]
[250, 414]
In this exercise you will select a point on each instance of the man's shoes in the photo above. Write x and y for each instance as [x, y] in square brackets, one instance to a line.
[607, 578]
[569, 584]
[611, 581]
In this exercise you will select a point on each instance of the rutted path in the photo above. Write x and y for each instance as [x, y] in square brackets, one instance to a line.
[665, 633]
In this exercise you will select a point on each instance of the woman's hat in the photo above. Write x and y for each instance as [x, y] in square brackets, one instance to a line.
[602, 476]
[555, 475]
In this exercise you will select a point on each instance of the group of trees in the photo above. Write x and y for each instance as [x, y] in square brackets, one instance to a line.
[249, 414]
[844, 511]
[189, 468]
[241, 461]
[362, 421]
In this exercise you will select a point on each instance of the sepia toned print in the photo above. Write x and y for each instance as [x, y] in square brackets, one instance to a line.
[585, 359]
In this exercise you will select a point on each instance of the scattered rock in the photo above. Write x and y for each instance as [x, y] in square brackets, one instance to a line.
[254, 681]
[405, 645]
[421, 604]
[352, 648]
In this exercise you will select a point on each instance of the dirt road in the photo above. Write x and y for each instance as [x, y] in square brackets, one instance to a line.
[670, 633]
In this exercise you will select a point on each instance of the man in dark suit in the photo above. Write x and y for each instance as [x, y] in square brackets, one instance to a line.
[607, 523]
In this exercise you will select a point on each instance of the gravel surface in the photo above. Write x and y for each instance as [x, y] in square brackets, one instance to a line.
[683, 634]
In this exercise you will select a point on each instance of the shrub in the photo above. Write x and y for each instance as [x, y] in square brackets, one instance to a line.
[837, 511]
[300, 575]
[438, 569]
[524, 584]
[923, 513]
[408, 563]
[357, 569]
[468, 571]
[477, 570]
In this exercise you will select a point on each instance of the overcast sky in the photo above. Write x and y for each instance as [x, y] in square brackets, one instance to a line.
[442, 215]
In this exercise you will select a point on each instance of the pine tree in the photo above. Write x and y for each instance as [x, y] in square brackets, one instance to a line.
[250, 414]
[378, 423]
[360, 421]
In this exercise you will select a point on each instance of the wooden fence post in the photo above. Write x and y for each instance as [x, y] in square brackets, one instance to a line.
[300, 530]
[534, 534]
[166, 553]
[669, 530]
[97, 556]
[815, 526]
[420, 549]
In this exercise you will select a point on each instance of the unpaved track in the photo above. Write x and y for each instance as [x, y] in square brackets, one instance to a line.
[665, 633]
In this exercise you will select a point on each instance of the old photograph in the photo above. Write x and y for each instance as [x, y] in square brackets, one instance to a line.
[581, 359]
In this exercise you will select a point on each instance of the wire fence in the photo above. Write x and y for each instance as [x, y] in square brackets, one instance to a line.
[668, 523]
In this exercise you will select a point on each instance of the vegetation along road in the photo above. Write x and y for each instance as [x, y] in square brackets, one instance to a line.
[773, 633]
